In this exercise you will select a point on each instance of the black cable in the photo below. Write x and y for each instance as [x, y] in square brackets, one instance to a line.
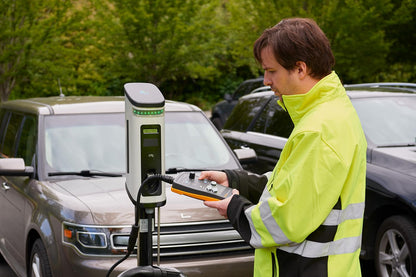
[151, 178]
[130, 247]
[135, 227]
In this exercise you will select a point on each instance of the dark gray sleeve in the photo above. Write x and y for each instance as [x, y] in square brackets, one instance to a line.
[251, 187]
[235, 214]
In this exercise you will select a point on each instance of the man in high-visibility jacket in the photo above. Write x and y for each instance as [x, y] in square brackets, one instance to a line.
[308, 216]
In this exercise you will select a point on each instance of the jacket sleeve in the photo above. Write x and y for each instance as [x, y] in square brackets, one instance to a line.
[305, 186]
[235, 214]
[250, 187]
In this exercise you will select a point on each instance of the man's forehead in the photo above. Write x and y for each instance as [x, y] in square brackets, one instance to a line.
[268, 59]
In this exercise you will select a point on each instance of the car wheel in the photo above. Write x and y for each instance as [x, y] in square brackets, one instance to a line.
[396, 247]
[39, 263]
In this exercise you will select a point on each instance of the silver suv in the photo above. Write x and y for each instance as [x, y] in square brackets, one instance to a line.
[64, 210]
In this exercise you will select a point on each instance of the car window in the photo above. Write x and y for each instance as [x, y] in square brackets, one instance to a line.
[26, 145]
[3, 124]
[2, 112]
[273, 120]
[192, 142]
[246, 88]
[97, 142]
[244, 113]
[85, 142]
[11, 134]
[388, 121]
[242, 90]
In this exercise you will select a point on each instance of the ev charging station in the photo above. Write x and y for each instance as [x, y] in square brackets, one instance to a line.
[145, 128]
[145, 143]
[145, 135]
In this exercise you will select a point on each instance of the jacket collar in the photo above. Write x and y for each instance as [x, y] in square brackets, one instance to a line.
[298, 105]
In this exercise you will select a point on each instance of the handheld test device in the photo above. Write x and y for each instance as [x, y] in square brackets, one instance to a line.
[188, 183]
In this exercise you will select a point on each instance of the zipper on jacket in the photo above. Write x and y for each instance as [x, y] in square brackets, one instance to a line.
[271, 183]
[274, 268]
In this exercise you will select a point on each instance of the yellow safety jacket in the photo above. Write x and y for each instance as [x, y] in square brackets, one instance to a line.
[308, 220]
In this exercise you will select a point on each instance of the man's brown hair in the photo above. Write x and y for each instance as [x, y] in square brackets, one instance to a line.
[298, 39]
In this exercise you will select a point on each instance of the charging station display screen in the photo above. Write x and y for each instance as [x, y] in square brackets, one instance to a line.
[151, 137]
[151, 155]
[150, 142]
[150, 131]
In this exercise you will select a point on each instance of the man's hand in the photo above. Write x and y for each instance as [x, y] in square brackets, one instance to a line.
[217, 176]
[221, 179]
[221, 205]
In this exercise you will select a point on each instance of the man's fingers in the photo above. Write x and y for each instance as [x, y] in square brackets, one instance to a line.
[204, 175]
[211, 204]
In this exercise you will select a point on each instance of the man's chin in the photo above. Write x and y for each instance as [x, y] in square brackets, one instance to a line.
[277, 94]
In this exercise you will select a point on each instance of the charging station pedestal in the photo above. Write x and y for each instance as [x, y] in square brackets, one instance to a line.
[145, 134]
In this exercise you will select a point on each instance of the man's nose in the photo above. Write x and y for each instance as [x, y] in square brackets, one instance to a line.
[266, 80]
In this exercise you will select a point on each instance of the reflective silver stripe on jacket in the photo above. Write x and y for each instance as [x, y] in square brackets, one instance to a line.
[255, 239]
[352, 211]
[312, 249]
[265, 195]
[271, 225]
[275, 231]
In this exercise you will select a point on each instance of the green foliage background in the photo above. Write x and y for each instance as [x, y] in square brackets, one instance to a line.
[193, 50]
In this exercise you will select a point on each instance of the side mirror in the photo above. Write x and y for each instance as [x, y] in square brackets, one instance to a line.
[15, 167]
[246, 155]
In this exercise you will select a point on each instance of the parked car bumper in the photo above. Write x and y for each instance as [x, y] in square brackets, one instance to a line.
[75, 264]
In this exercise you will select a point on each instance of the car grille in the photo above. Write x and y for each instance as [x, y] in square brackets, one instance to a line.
[196, 238]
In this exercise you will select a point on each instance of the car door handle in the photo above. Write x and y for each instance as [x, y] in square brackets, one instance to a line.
[5, 186]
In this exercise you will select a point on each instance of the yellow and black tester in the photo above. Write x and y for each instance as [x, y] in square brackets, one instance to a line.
[187, 183]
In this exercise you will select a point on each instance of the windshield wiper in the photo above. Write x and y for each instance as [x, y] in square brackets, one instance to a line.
[85, 173]
[174, 170]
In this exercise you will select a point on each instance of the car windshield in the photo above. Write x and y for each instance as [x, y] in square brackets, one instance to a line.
[388, 121]
[96, 142]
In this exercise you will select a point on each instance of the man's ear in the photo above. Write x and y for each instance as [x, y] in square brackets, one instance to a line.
[301, 69]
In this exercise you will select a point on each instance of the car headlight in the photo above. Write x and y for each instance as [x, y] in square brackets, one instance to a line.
[92, 240]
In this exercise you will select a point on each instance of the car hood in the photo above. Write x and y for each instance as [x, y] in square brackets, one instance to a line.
[400, 159]
[107, 201]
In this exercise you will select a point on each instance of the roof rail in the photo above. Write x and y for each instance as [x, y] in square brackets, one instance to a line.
[260, 89]
[393, 85]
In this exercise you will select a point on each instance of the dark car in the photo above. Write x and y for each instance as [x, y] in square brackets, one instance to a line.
[64, 209]
[388, 117]
[221, 110]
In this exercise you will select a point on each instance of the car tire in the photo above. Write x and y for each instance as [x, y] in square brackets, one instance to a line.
[217, 122]
[395, 249]
[39, 263]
